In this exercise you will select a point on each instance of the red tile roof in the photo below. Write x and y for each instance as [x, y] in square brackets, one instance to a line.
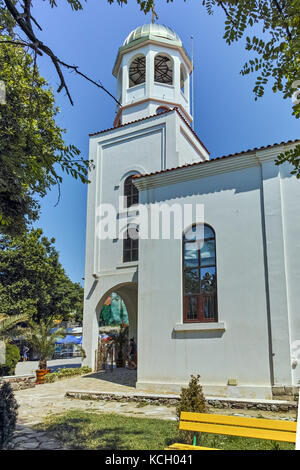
[149, 117]
[217, 158]
[131, 122]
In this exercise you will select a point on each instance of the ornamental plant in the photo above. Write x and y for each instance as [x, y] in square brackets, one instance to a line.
[192, 400]
[66, 372]
[12, 357]
[42, 337]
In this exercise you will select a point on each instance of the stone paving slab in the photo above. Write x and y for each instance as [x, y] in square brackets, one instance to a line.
[29, 439]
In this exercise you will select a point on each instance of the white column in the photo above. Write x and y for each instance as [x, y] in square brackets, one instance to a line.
[125, 81]
[150, 73]
[176, 80]
[187, 91]
[90, 331]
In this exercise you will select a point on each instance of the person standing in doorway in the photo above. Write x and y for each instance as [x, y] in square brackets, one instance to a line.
[25, 351]
[132, 354]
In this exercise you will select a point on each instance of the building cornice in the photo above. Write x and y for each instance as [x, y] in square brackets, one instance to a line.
[195, 171]
[155, 100]
[153, 116]
[212, 167]
[141, 42]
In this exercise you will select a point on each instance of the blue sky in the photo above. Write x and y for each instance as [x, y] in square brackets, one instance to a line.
[227, 118]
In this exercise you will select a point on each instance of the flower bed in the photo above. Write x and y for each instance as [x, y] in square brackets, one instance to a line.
[64, 373]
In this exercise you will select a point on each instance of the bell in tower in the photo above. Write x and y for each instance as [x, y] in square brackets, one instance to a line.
[153, 70]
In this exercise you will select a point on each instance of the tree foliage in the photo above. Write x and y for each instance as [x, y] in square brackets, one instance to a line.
[33, 153]
[292, 156]
[277, 46]
[12, 357]
[8, 414]
[9, 328]
[33, 281]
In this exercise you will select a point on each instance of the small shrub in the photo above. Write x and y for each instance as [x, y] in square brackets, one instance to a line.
[8, 414]
[192, 400]
[12, 357]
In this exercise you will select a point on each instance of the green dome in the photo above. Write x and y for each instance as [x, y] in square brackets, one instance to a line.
[153, 31]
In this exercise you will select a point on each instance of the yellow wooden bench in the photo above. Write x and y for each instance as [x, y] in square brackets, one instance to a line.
[275, 430]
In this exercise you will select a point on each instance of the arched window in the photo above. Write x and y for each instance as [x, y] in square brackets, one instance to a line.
[131, 193]
[137, 71]
[162, 109]
[131, 244]
[199, 274]
[163, 69]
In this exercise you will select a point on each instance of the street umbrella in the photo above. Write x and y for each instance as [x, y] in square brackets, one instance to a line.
[68, 339]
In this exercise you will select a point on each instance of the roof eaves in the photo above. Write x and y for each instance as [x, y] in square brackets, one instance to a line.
[224, 157]
[131, 122]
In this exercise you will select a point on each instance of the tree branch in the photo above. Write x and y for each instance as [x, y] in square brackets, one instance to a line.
[279, 8]
[24, 22]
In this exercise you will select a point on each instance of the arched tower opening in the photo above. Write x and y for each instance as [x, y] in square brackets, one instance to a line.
[137, 71]
[163, 69]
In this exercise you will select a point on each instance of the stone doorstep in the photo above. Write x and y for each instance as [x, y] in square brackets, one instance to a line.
[282, 405]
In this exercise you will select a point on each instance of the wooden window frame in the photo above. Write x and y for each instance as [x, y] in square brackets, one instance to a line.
[131, 193]
[130, 246]
[201, 297]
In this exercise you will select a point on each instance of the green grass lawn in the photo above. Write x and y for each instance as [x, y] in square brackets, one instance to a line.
[92, 430]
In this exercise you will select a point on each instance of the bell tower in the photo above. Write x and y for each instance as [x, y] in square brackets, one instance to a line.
[153, 74]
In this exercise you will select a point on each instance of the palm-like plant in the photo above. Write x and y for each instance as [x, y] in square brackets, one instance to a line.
[9, 328]
[41, 337]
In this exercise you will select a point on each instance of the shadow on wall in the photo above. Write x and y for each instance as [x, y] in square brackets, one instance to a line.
[239, 181]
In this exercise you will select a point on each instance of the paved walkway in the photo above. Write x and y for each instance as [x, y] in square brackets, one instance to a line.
[42, 401]
[29, 439]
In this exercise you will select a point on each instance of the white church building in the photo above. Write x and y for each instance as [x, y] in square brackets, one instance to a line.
[222, 299]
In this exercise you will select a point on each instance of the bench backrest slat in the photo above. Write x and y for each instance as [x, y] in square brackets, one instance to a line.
[284, 431]
[241, 431]
[257, 423]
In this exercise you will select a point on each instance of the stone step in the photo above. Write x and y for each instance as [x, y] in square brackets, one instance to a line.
[170, 399]
[287, 393]
[284, 397]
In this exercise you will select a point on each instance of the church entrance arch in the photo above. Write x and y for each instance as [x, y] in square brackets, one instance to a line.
[119, 305]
